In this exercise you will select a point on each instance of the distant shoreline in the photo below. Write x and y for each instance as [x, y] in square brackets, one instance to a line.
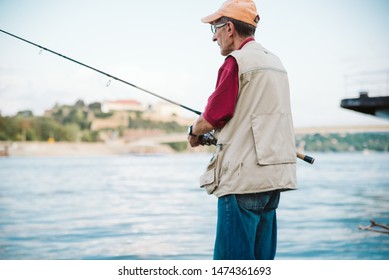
[72, 149]
[45, 149]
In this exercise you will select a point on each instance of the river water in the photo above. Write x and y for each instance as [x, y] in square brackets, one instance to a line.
[151, 207]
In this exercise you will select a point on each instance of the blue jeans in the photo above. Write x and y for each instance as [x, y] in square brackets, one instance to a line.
[247, 226]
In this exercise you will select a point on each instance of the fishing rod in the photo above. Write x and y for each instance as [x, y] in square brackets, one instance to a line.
[207, 139]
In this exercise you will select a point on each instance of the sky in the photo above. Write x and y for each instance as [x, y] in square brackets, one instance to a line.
[332, 49]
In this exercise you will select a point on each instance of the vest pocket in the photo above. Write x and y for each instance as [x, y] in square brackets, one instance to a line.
[274, 138]
[209, 180]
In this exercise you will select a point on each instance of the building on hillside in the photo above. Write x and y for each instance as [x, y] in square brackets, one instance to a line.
[118, 119]
[122, 105]
[159, 112]
[166, 112]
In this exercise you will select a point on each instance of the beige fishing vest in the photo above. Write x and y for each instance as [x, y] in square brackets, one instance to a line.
[256, 149]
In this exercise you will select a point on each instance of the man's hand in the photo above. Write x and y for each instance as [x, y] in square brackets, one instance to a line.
[194, 141]
[200, 127]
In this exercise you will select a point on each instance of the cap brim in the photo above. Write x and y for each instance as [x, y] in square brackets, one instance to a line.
[211, 18]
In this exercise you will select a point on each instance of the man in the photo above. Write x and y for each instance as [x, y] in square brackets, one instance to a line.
[255, 157]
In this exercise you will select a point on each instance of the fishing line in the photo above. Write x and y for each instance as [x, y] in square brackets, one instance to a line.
[101, 72]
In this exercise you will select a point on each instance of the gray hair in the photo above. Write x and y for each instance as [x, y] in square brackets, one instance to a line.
[242, 28]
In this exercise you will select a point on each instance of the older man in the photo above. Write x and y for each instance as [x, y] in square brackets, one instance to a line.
[255, 157]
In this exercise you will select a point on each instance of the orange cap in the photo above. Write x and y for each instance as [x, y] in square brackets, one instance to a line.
[242, 10]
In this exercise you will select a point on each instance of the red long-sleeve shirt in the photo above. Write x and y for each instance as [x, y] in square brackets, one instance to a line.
[221, 104]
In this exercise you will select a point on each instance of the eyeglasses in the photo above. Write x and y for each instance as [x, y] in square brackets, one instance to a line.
[214, 27]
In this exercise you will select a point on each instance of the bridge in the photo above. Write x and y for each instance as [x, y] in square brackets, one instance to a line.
[183, 137]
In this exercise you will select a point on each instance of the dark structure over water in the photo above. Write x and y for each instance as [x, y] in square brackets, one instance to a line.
[377, 106]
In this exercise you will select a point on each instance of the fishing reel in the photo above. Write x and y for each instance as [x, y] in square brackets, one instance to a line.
[207, 139]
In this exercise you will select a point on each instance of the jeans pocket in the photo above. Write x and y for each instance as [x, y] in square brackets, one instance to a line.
[259, 201]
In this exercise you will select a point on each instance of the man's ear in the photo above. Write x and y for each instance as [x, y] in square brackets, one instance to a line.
[230, 27]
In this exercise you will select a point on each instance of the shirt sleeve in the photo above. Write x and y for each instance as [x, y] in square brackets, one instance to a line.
[221, 104]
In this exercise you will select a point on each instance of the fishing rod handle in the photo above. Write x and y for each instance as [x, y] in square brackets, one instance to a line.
[305, 158]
